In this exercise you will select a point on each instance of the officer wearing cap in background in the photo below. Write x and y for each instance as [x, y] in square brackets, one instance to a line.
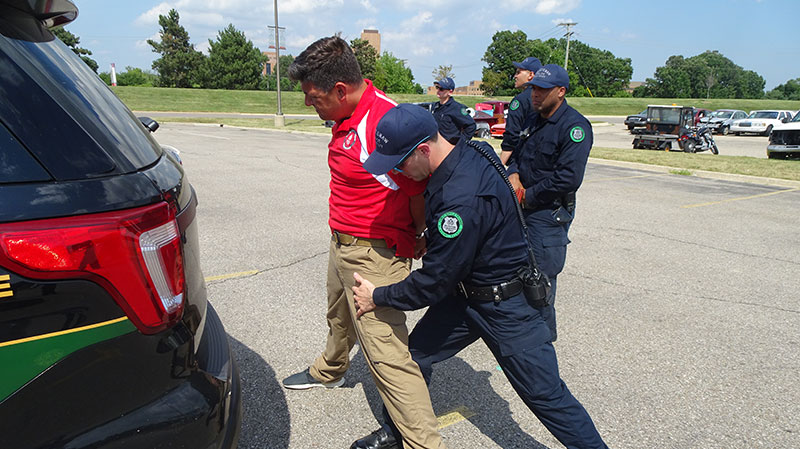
[520, 106]
[470, 276]
[453, 117]
[547, 169]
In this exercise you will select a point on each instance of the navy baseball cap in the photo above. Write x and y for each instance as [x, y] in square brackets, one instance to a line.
[446, 83]
[551, 75]
[531, 64]
[398, 134]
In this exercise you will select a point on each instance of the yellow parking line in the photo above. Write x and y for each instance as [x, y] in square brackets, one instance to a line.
[711, 203]
[232, 275]
[624, 177]
[452, 417]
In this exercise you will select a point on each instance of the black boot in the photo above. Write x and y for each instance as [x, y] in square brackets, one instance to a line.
[378, 439]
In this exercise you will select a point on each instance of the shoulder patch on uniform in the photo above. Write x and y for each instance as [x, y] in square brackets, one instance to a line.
[577, 134]
[514, 105]
[464, 111]
[450, 225]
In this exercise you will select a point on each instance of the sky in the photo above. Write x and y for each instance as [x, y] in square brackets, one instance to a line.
[757, 35]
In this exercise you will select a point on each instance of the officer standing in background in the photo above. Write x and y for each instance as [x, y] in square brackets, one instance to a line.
[453, 118]
[547, 170]
[471, 275]
[520, 106]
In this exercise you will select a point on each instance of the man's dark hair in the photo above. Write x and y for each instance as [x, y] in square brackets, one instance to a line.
[326, 62]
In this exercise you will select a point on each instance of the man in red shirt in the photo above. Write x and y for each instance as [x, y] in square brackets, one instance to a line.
[367, 239]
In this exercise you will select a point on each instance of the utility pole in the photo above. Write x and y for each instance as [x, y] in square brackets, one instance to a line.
[567, 34]
[279, 118]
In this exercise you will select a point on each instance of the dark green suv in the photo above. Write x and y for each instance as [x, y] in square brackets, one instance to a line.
[106, 335]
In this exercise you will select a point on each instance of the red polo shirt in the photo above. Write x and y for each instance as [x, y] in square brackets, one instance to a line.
[362, 204]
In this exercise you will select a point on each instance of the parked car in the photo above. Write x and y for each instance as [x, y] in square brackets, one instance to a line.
[488, 114]
[632, 121]
[498, 130]
[784, 142]
[107, 338]
[760, 122]
[720, 120]
[699, 114]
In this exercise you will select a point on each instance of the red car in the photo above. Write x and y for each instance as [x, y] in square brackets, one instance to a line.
[498, 130]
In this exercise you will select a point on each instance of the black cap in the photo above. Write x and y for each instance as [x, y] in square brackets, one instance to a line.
[398, 133]
[551, 75]
[531, 64]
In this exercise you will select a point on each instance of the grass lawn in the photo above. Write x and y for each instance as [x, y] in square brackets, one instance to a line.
[263, 102]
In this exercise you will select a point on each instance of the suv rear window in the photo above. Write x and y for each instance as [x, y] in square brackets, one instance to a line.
[64, 115]
[16, 164]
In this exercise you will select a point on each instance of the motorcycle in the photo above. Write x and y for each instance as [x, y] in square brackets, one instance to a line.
[693, 140]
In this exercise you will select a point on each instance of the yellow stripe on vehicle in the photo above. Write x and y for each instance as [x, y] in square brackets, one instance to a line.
[6, 294]
[5, 277]
[68, 331]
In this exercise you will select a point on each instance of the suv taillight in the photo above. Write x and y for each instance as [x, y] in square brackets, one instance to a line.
[135, 254]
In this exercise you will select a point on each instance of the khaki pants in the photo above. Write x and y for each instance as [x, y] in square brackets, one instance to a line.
[384, 341]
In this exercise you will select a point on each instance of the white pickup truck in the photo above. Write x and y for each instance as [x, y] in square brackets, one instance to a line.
[785, 140]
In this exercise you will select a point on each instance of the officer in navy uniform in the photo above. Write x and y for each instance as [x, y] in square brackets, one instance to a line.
[453, 117]
[547, 170]
[520, 107]
[469, 278]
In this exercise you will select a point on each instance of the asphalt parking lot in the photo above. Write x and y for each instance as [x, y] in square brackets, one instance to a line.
[679, 311]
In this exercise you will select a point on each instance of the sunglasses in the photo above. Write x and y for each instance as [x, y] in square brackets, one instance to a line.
[407, 155]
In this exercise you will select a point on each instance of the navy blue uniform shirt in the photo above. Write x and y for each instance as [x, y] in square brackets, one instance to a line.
[454, 121]
[474, 233]
[518, 111]
[552, 161]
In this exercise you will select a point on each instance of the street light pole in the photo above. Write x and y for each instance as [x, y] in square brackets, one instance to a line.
[279, 118]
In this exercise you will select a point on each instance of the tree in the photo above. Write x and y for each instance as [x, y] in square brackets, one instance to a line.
[590, 69]
[72, 42]
[707, 75]
[134, 76]
[366, 55]
[392, 75]
[442, 72]
[788, 91]
[269, 82]
[505, 48]
[594, 70]
[179, 63]
[233, 62]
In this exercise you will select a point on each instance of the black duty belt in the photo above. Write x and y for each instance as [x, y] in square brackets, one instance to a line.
[495, 293]
[347, 240]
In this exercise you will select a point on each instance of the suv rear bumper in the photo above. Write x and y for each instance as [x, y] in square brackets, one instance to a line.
[158, 393]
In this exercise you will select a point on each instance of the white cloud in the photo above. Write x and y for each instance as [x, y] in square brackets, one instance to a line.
[541, 6]
[367, 24]
[422, 50]
[418, 21]
[142, 44]
[367, 5]
[302, 41]
[151, 16]
[557, 21]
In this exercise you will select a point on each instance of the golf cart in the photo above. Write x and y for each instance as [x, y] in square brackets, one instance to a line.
[665, 125]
